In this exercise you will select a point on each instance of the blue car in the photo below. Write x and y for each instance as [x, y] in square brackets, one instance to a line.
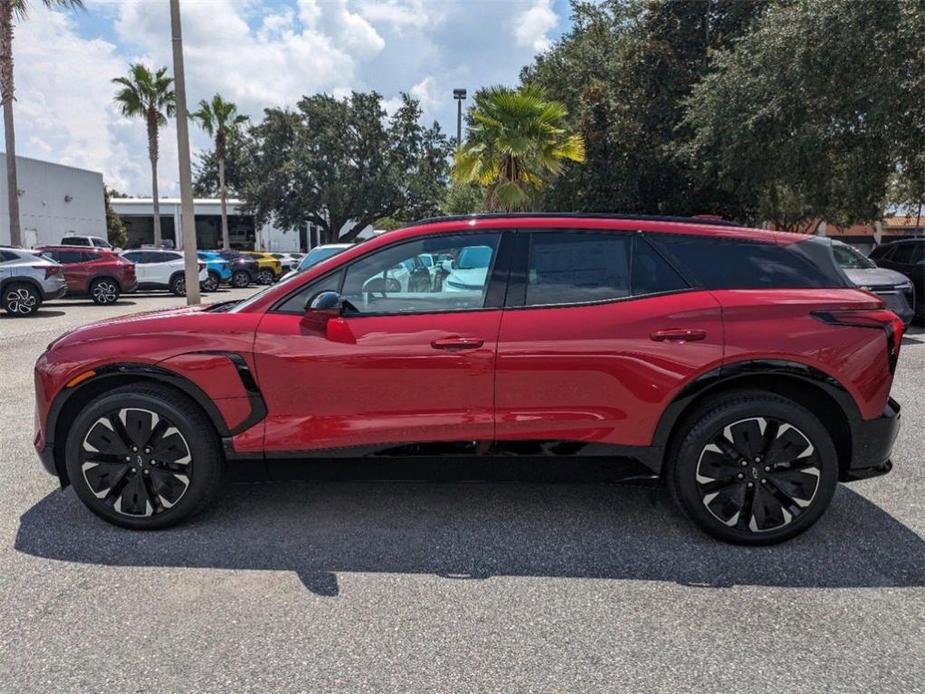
[219, 269]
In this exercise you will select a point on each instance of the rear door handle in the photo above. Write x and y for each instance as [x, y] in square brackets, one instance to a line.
[457, 343]
[678, 335]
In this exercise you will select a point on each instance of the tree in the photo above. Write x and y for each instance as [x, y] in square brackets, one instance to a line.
[148, 95]
[808, 116]
[115, 228]
[221, 120]
[623, 72]
[11, 10]
[206, 180]
[516, 143]
[341, 164]
[462, 199]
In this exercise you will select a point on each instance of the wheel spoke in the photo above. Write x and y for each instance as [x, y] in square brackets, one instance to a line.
[745, 513]
[168, 486]
[134, 499]
[718, 485]
[766, 511]
[799, 485]
[104, 438]
[747, 438]
[138, 424]
[103, 476]
[789, 444]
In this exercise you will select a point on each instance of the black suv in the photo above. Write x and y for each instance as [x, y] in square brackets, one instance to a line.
[908, 257]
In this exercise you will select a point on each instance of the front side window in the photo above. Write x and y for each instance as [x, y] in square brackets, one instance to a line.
[395, 280]
[578, 267]
[907, 253]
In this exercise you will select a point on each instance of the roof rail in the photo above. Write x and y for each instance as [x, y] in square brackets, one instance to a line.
[707, 220]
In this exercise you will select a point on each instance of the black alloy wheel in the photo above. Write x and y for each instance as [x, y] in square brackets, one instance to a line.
[21, 299]
[265, 276]
[104, 291]
[240, 278]
[178, 284]
[755, 470]
[212, 282]
[143, 457]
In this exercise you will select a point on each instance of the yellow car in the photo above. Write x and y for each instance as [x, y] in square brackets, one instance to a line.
[269, 269]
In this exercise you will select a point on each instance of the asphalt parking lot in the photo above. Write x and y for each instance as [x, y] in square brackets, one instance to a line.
[359, 586]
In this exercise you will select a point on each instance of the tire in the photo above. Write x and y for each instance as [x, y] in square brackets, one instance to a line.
[212, 282]
[265, 277]
[21, 299]
[104, 291]
[240, 278]
[752, 468]
[153, 486]
[177, 285]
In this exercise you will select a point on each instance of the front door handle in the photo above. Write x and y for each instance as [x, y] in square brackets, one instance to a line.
[457, 343]
[678, 335]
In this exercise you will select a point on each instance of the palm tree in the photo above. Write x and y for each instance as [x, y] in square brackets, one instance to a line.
[10, 10]
[517, 143]
[148, 95]
[220, 120]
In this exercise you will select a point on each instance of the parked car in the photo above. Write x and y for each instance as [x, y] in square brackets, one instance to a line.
[289, 261]
[162, 270]
[893, 287]
[218, 269]
[91, 241]
[907, 257]
[26, 280]
[316, 255]
[243, 267]
[269, 269]
[95, 272]
[738, 365]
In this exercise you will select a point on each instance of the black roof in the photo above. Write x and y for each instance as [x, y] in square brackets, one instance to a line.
[707, 221]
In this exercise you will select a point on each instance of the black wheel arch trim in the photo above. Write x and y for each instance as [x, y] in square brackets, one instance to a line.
[728, 374]
[158, 373]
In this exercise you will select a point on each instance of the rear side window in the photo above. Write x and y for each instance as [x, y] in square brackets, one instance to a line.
[578, 267]
[907, 253]
[74, 241]
[733, 264]
[6, 256]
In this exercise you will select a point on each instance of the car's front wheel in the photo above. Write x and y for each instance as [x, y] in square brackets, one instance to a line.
[143, 457]
[240, 278]
[212, 282]
[21, 299]
[104, 291]
[264, 277]
[753, 468]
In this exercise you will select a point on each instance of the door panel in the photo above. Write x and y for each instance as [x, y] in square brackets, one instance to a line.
[604, 372]
[376, 380]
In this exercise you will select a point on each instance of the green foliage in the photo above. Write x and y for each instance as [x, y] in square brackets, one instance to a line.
[807, 116]
[388, 224]
[462, 199]
[146, 94]
[115, 228]
[341, 164]
[21, 7]
[517, 142]
[205, 169]
[221, 120]
[623, 72]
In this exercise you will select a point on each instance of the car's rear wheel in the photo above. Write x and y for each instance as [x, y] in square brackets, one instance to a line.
[143, 457]
[21, 299]
[177, 284]
[265, 276]
[104, 291]
[212, 282]
[753, 468]
[240, 278]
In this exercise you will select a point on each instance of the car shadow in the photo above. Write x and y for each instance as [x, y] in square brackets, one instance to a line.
[67, 303]
[41, 313]
[476, 530]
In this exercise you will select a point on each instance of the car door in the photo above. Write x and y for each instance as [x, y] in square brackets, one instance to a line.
[405, 363]
[141, 267]
[599, 334]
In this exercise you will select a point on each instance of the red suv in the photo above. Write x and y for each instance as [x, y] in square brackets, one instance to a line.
[95, 272]
[738, 365]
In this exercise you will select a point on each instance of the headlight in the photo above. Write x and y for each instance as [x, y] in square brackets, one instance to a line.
[905, 286]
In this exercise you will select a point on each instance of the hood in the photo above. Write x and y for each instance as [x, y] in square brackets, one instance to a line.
[875, 277]
[120, 326]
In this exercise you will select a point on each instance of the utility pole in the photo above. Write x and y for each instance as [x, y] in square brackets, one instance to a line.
[188, 219]
[459, 95]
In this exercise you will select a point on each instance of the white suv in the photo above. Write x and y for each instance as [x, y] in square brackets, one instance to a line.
[162, 270]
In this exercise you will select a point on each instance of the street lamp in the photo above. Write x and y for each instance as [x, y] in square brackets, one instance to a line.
[459, 95]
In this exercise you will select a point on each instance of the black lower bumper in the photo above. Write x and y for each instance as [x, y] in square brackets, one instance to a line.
[872, 444]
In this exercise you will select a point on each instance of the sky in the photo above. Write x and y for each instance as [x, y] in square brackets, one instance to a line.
[258, 54]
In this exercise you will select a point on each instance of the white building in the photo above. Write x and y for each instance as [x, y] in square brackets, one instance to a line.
[54, 200]
[138, 216]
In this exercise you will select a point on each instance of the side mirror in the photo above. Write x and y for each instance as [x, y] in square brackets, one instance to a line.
[321, 308]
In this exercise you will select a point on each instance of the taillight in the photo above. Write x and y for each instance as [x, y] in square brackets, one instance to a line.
[202, 266]
[50, 270]
[881, 319]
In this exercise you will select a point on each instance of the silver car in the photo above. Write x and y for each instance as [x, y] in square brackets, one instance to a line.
[26, 280]
[893, 287]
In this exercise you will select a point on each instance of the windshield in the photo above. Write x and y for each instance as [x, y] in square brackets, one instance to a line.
[849, 258]
[316, 255]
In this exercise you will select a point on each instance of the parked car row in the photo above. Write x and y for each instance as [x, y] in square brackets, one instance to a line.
[89, 266]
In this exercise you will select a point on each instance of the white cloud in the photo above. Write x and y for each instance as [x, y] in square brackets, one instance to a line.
[532, 26]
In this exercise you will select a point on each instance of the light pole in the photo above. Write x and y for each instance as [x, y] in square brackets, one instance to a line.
[188, 220]
[459, 95]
